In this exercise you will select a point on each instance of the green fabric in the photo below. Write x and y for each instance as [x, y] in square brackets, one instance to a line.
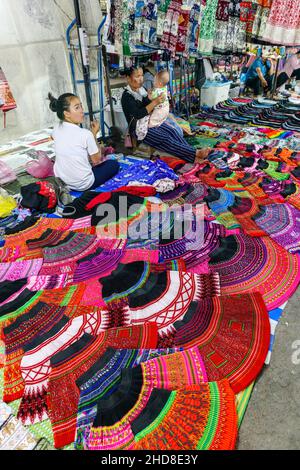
[204, 141]
[212, 421]
[207, 27]
[164, 5]
[125, 30]
[242, 400]
[272, 171]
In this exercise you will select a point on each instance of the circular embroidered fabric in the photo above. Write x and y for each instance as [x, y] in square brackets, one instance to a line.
[233, 336]
[111, 427]
[193, 248]
[196, 418]
[102, 380]
[20, 269]
[70, 364]
[33, 324]
[169, 298]
[247, 264]
[35, 365]
[282, 223]
[77, 246]
[161, 296]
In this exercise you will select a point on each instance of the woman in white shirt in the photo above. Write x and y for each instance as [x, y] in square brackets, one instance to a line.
[78, 159]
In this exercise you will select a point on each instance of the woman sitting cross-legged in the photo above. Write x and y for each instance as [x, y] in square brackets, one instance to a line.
[166, 137]
[78, 161]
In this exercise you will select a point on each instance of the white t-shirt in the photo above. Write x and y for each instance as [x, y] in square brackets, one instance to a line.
[73, 145]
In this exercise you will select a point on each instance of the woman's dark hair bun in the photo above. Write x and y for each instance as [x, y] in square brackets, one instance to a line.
[53, 103]
[129, 70]
[61, 104]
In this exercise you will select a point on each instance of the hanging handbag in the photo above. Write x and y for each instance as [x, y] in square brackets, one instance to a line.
[128, 139]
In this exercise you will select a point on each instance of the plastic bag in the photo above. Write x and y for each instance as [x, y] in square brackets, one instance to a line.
[41, 168]
[7, 203]
[7, 175]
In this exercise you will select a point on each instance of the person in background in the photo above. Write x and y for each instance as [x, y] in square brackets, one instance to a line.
[260, 75]
[148, 79]
[166, 138]
[291, 69]
[79, 162]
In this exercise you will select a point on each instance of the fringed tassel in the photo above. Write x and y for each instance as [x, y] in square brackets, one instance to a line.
[166, 340]
[118, 314]
[207, 285]
[33, 407]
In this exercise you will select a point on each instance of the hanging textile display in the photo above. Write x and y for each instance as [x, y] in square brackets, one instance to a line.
[222, 18]
[261, 18]
[7, 101]
[170, 31]
[230, 33]
[207, 28]
[283, 24]
[183, 32]
[193, 36]
[236, 33]
[191, 28]
[248, 10]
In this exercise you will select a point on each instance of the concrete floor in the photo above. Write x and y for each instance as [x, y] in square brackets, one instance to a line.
[272, 419]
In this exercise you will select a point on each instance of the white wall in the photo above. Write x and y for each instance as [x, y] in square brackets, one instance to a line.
[34, 57]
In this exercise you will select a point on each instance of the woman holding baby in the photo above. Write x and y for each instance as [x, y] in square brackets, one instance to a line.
[148, 119]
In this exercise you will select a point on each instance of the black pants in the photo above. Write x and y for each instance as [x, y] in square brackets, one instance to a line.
[296, 74]
[256, 86]
[283, 77]
[104, 172]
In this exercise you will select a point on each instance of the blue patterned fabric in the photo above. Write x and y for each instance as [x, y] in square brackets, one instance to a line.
[105, 382]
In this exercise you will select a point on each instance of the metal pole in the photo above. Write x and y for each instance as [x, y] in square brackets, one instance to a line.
[186, 81]
[104, 55]
[273, 86]
[100, 76]
[84, 60]
[180, 86]
[68, 35]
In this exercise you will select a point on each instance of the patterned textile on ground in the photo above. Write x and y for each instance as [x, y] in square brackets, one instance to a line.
[184, 419]
[171, 372]
[219, 295]
[36, 363]
[247, 264]
[102, 380]
[40, 320]
[221, 325]
[137, 280]
[63, 393]
[180, 419]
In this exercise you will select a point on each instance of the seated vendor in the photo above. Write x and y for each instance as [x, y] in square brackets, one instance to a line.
[78, 160]
[260, 75]
[167, 137]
